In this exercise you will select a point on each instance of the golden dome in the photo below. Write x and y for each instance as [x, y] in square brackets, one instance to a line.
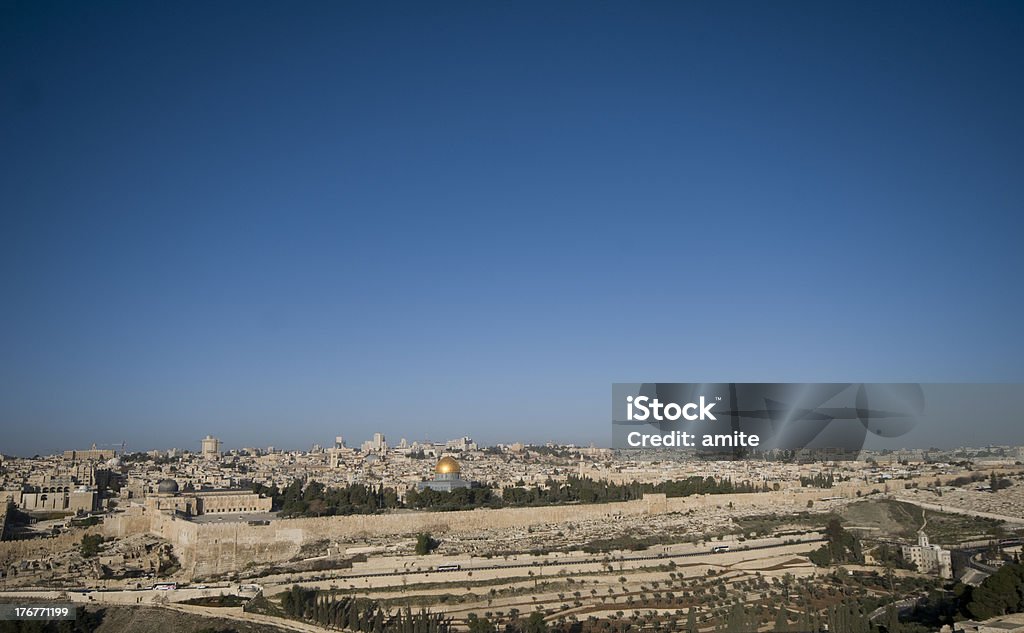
[446, 466]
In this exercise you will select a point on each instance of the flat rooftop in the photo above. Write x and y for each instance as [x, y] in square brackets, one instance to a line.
[234, 517]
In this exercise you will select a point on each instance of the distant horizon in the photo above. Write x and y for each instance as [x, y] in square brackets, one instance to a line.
[326, 445]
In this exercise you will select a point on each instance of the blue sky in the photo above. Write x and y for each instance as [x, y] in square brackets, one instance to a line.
[280, 223]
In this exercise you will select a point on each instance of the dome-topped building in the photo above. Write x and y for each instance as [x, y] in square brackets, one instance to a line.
[187, 502]
[167, 487]
[446, 466]
[447, 477]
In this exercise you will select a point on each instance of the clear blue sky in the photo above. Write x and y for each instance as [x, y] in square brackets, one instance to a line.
[278, 223]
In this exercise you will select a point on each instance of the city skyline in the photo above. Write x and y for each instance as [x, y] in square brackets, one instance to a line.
[873, 445]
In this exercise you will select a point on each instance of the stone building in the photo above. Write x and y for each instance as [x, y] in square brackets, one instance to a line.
[447, 477]
[93, 454]
[378, 444]
[337, 456]
[930, 559]
[169, 498]
[211, 447]
[54, 499]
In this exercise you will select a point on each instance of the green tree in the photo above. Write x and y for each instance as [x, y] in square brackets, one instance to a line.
[90, 545]
[425, 543]
[535, 623]
[480, 625]
[781, 621]
[691, 620]
[999, 594]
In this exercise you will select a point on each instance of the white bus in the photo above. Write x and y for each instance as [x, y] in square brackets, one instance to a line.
[449, 567]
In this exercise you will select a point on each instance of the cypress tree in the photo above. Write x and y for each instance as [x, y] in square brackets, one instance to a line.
[781, 621]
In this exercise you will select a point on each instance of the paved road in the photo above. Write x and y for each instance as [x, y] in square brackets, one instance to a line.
[901, 605]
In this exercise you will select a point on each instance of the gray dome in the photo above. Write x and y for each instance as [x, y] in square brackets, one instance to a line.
[167, 486]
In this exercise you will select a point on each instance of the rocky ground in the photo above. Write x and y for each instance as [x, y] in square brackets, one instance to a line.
[702, 523]
[1006, 502]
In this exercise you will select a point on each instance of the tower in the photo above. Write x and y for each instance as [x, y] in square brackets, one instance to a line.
[211, 447]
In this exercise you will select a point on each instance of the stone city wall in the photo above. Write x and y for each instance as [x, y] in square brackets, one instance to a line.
[133, 521]
[207, 549]
[13, 552]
